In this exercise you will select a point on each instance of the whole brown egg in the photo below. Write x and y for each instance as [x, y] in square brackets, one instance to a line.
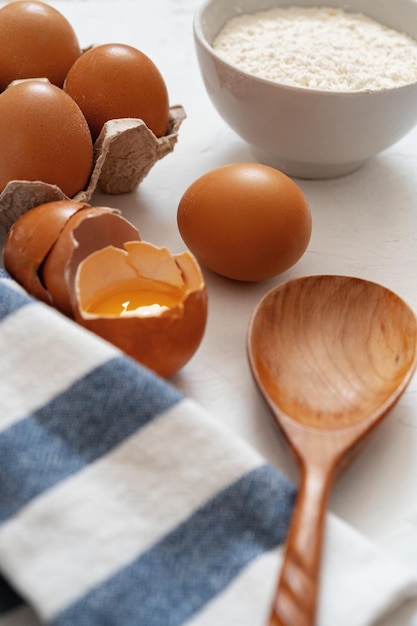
[245, 221]
[43, 137]
[36, 41]
[113, 81]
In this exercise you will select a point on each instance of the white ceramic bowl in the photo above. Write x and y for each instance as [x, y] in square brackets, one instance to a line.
[304, 132]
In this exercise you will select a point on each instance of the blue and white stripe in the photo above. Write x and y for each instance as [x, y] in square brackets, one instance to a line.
[123, 503]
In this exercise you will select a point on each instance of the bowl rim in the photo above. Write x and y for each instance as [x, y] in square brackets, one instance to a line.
[202, 41]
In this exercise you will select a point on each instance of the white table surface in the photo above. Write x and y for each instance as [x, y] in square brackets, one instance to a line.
[364, 224]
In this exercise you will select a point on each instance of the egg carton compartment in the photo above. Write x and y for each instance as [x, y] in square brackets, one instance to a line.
[124, 153]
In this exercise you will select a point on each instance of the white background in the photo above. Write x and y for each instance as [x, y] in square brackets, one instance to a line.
[364, 224]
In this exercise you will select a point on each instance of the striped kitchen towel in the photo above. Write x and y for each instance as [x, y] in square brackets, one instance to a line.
[122, 502]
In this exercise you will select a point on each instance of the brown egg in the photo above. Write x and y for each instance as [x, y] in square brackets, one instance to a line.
[148, 302]
[36, 41]
[112, 81]
[43, 137]
[44, 246]
[245, 221]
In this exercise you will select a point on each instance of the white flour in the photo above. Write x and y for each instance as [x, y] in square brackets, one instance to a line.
[319, 48]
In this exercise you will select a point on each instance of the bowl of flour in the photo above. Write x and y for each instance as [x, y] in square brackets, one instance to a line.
[315, 90]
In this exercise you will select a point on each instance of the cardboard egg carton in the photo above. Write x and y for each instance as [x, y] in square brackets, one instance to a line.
[124, 153]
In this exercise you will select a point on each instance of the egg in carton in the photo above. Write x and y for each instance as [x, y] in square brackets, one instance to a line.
[124, 153]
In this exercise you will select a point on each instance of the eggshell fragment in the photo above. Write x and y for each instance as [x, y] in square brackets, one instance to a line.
[86, 231]
[29, 241]
[163, 340]
[124, 153]
[43, 247]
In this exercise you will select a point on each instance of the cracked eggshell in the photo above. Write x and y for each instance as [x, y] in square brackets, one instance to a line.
[43, 247]
[124, 153]
[86, 231]
[165, 340]
[29, 241]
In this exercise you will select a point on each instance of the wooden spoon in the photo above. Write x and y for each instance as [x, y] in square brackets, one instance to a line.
[331, 355]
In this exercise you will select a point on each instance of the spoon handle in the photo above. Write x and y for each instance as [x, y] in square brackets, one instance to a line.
[296, 596]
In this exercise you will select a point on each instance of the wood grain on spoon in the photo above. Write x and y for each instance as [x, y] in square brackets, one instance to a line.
[331, 355]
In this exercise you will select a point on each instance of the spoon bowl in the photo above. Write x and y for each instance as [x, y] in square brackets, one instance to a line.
[331, 355]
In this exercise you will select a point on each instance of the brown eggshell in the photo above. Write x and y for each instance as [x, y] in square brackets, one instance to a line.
[44, 137]
[163, 342]
[245, 221]
[85, 232]
[31, 238]
[24, 53]
[115, 80]
[124, 153]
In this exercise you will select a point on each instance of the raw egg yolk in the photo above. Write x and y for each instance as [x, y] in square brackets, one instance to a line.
[128, 298]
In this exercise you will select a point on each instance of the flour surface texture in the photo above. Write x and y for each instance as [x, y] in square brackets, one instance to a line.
[319, 48]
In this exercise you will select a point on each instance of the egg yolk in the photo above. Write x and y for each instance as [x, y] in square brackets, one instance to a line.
[127, 299]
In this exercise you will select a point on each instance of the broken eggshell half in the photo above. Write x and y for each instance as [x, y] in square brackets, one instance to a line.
[148, 302]
[124, 153]
[44, 246]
